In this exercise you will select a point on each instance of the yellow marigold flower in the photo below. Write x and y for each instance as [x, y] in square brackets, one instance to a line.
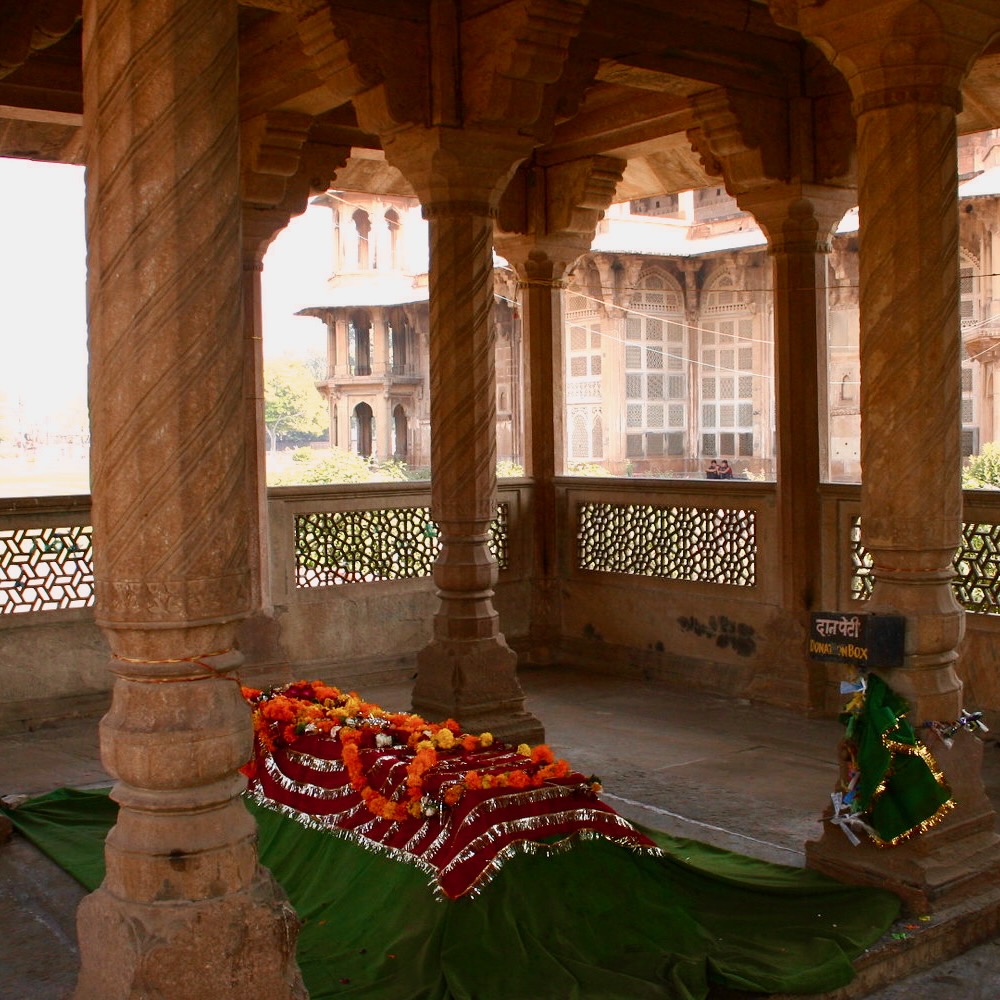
[425, 745]
[524, 750]
[444, 738]
[485, 739]
[487, 781]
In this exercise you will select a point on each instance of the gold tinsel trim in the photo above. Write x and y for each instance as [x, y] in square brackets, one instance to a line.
[921, 827]
[913, 750]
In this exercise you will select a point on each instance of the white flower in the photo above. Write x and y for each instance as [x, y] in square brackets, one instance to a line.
[383, 740]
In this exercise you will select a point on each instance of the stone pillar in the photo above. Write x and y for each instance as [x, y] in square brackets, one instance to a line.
[255, 434]
[905, 65]
[468, 671]
[911, 497]
[540, 279]
[184, 909]
[548, 217]
[799, 221]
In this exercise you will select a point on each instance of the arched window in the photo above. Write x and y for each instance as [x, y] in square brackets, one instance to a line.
[400, 448]
[362, 430]
[969, 291]
[363, 228]
[726, 355]
[656, 390]
[392, 224]
[399, 338]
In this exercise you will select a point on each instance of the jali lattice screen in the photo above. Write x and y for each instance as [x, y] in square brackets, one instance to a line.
[357, 546]
[45, 569]
[696, 544]
[977, 581]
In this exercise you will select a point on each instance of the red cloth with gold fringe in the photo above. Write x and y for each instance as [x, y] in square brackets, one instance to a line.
[458, 813]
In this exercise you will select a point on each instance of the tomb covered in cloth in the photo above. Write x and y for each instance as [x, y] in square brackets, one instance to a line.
[430, 864]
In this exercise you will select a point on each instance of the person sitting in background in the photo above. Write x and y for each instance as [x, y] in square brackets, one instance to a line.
[725, 470]
[713, 470]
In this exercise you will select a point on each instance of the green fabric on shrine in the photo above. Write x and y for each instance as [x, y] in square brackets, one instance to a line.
[912, 793]
[597, 921]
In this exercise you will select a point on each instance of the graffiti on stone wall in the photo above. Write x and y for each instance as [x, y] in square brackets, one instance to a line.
[727, 634]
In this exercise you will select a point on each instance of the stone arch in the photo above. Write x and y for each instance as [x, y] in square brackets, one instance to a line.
[362, 231]
[656, 366]
[362, 430]
[392, 224]
[400, 433]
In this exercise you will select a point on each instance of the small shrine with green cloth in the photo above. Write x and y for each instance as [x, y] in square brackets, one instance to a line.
[890, 785]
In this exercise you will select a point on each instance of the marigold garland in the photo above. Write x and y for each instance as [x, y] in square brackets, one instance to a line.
[282, 716]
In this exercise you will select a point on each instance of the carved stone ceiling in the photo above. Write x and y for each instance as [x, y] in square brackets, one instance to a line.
[645, 59]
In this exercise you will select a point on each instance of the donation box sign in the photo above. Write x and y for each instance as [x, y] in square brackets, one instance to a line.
[863, 640]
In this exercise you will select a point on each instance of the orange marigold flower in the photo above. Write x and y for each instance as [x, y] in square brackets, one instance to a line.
[445, 739]
[453, 794]
[542, 754]
[518, 779]
[250, 693]
[474, 780]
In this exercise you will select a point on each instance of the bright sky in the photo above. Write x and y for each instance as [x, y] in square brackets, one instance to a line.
[43, 329]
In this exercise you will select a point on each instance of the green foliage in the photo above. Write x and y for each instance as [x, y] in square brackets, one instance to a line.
[586, 469]
[509, 470]
[312, 467]
[982, 471]
[333, 466]
[293, 408]
[391, 471]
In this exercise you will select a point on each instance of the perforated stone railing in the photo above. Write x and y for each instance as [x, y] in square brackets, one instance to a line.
[977, 565]
[706, 544]
[389, 543]
[45, 568]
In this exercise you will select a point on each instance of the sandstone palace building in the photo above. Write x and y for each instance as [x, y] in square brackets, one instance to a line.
[668, 334]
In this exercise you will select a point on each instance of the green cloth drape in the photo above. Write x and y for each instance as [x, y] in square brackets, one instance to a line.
[898, 791]
[596, 921]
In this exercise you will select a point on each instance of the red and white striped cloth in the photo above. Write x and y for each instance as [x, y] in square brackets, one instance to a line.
[462, 846]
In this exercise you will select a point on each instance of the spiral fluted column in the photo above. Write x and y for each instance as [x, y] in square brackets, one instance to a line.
[468, 671]
[184, 909]
[911, 498]
[905, 64]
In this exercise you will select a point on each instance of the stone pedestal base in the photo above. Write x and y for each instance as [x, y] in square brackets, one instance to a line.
[237, 947]
[475, 683]
[958, 857]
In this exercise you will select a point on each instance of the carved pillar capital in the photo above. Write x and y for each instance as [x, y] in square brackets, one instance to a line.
[895, 51]
[798, 218]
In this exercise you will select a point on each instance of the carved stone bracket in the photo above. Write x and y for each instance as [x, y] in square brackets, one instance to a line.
[553, 212]
[746, 136]
[281, 168]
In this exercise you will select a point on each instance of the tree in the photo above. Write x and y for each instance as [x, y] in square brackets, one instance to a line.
[293, 408]
[982, 471]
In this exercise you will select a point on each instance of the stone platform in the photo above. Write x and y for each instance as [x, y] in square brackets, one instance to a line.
[748, 779]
